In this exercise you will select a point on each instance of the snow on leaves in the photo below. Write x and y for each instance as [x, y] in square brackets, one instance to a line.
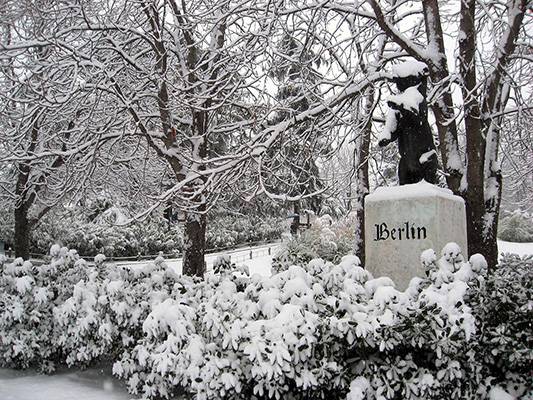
[314, 330]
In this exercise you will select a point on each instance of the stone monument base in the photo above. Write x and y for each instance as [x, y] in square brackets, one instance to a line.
[403, 221]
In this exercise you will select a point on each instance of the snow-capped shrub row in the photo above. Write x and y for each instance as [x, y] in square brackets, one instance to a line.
[314, 331]
[229, 230]
[516, 226]
[148, 237]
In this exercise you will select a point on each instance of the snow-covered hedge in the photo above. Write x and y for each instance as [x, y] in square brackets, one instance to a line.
[28, 297]
[229, 230]
[147, 237]
[100, 236]
[327, 238]
[516, 226]
[318, 330]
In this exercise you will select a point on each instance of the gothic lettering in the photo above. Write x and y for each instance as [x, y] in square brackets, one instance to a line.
[410, 230]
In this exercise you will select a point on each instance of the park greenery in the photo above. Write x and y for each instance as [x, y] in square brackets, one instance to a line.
[316, 329]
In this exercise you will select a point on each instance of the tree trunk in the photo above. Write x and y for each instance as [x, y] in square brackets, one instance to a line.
[295, 225]
[196, 223]
[362, 189]
[492, 210]
[194, 246]
[22, 206]
[22, 232]
[475, 138]
[443, 110]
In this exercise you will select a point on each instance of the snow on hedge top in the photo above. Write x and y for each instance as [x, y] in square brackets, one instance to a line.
[415, 190]
[410, 99]
[409, 68]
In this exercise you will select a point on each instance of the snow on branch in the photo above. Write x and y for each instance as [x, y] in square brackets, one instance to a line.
[218, 169]
[405, 43]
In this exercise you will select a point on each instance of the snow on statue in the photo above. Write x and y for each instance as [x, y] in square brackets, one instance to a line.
[407, 123]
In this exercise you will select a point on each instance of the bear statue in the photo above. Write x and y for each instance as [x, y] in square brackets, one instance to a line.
[407, 122]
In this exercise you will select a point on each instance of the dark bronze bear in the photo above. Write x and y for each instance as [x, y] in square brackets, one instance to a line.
[415, 142]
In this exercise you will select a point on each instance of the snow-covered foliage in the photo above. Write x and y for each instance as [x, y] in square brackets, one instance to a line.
[314, 330]
[505, 308]
[108, 307]
[98, 235]
[516, 226]
[28, 295]
[228, 230]
[150, 236]
[327, 238]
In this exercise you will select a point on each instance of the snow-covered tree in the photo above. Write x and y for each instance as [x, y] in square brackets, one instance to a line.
[295, 171]
[491, 46]
[179, 70]
[51, 127]
[193, 82]
[200, 75]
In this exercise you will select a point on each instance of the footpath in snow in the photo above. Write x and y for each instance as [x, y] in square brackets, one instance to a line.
[92, 384]
[98, 384]
[257, 258]
[522, 249]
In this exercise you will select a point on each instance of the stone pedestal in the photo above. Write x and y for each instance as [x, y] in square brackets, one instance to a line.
[403, 221]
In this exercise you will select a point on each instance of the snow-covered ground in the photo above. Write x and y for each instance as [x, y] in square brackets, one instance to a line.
[98, 384]
[522, 249]
[92, 384]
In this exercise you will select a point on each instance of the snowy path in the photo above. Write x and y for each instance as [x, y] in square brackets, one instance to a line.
[93, 384]
[522, 249]
[98, 384]
[257, 258]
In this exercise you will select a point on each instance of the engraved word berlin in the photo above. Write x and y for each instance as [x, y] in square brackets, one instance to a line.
[408, 231]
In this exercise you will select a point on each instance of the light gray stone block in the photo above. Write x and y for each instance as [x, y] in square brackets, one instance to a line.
[403, 221]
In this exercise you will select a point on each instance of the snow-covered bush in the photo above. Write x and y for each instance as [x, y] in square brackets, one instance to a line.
[327, 238]
[228, 230]
[108, 307]
[73, 312]
[505, 310]
[28, 294]
[154, 235]
[516, 226]
[84, 328]
[99, 236]
[25, 308]
[314, 331]
[294, 251]
[311, 332]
